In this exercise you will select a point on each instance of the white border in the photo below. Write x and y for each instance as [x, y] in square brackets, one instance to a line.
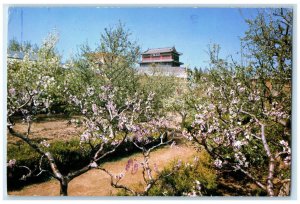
[210, 3]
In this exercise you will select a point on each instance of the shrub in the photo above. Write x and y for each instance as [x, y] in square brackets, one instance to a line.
[192, 178]
[69, 155]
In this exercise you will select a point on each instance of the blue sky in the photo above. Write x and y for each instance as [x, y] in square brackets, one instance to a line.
[190, 30]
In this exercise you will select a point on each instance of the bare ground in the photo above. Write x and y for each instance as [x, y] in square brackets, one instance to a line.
[97, 183]
[94, 182]
[58, 129]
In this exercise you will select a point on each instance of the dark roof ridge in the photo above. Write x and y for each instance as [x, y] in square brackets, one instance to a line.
[163, 49]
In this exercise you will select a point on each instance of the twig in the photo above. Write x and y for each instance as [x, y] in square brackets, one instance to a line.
[251, 177]
[113, 150]
[270, 187]
[24, 177]
[115, 184]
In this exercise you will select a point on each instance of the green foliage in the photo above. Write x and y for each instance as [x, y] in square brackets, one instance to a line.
[164, 88]
[40, 69]
[123, 192]
[15, 46]
[70, 154]
[185, 179]
[112, 63]
[23, 153]
[269, 40]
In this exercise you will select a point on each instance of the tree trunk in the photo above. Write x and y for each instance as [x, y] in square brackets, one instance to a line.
[64, 187]
[270, 186]
[183, 118]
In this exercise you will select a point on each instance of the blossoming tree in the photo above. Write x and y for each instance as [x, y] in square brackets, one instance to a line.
[107, 120]
[243, 120]
[143, 138]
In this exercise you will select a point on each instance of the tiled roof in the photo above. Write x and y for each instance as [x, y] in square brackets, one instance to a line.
[161, 50]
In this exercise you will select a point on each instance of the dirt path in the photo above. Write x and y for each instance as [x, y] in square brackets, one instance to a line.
[97, 183]
[57, 129]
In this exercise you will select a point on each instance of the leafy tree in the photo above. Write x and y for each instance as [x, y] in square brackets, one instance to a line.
[112, 62]
[15, 46]
[164, 88]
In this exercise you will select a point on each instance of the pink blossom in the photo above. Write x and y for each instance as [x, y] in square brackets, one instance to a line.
[218, 140]
[211, 106]
[242, 89]
[187, 135]
[179, 163]
[237, 144]
[85, 136]
[11, 163]
[94, 165]
[173, 144]
[128, 165]
[12, 91]
[135, 168]
[218, 163]
[94, 108]
[84, 111]
[45, 143]
[120, 176]
[90, 91]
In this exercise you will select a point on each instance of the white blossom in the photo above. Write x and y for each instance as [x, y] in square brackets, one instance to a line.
[94, 165]
[94, 108]
[45, 143]
[237, 144]
[85, 136]
[218, 140]
[11, 163]
[242, 89]
[12, 91]
[218, 163]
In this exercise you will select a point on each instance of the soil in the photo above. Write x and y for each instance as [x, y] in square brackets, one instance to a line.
[50, 129]
[97, 183]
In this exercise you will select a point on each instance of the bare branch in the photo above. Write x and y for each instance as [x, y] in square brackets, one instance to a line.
[25, 139]
[113, 150]
[24, 177]
[96, 158]
[115, 184]
[41, 169]
[74, 174]
[270, 186]
[28, 128]
[161, 143]
[23, 105]
[99, 151]
[141, 148]
[251, 177]
[53, 166]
